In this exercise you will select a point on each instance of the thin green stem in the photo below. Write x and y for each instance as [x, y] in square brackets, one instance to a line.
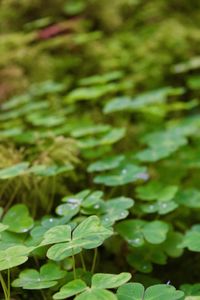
[5, 291]
[83, 262]
[94, 260]
[8, 284]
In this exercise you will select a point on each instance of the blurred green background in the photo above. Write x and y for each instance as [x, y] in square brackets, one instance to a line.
[65, 40]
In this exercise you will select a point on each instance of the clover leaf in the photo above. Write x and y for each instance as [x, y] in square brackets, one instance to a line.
[153, 154]
[95, 294]
[87, 235]
[136, 232]
[189, 198]
[91, 202]
[161, 207]
[18, 219]
[143, 262]
[70, 289]
[3, 228]
[156, 191]
[116, 209]
[10, 239]
[109, 281]
[111, 137]
[31, 279]
[38, 231]
[192, 239]
[139, 102]
[105, 164]
[192, 291]
[98, 290]
[14, 256]
[13, 171]
[57, 234]
[86, 199]
[136, 291]
[142, 258]
[123, 175]
[161, 145]
[155, 232]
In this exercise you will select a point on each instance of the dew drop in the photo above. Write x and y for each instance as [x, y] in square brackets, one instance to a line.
[143, 176]
[124, 171]
[96, 206]
[122, 214]
[144, 267]
[72, 200]
[135, 241]
[151, 207]
[164, 205]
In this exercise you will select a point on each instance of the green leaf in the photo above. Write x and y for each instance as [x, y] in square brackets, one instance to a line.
[192, 239]
[111, 137]
[131, 291]
[47, 171]
[48, 121]
[109, 281]
[171, 139]
[191, 290]
[131, 231]
[72, 205]
[87, 235]
[57, 234]
[142, 262]
[96, 294]
[156, 191]
[101, 79]
[139, 102]
[135, 231]
[143, 258]
[3, 228]
[135, 291]
[161, 145]
[171, 246]
[100, 282]
[38, 231]
[161, 207]
[14, 171]
[10, 239]
[84, 201]
[155, 232]
[70, 289]
[123, 175]
[106, 164]
[116, 209]
[90, 93]
[189, 198]
[192, 298]
[164, 292]
[31, 279]
[14, 256]
[153, 154]
[18, 219]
